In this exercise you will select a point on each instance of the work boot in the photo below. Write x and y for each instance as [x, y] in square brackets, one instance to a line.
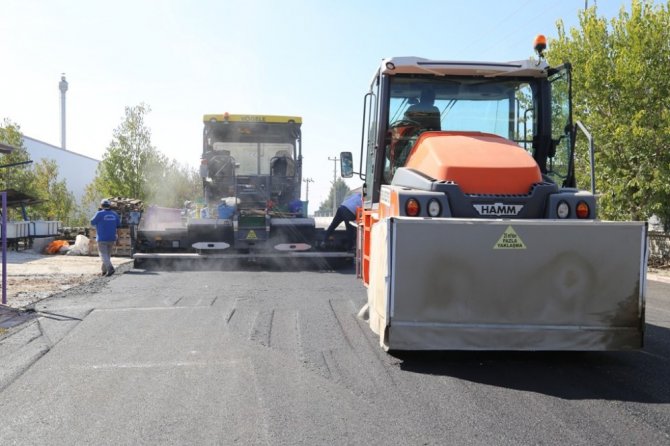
[104, 273]
[110, 272]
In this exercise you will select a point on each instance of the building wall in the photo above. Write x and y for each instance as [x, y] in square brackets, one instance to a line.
[77, 170]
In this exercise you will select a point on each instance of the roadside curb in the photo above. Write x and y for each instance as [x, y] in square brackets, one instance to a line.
[658, 277]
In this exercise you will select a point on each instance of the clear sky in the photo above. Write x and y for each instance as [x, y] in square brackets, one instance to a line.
[187, 58]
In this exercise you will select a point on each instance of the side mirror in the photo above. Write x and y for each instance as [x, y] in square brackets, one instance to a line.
[346, 165]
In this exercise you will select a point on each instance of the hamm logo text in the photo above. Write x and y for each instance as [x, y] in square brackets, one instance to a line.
[498, 209]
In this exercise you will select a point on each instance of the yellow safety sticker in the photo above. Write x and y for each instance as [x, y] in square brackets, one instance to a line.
[509, 240]
[251, 235]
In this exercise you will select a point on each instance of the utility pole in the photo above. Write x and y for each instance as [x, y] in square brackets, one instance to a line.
[305, 209]
[335, 159]
[307, 181]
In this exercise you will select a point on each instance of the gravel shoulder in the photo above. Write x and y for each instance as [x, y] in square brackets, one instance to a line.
[32, 277]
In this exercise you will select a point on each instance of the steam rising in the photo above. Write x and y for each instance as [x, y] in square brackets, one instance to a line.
[171, 185]
[156, 218]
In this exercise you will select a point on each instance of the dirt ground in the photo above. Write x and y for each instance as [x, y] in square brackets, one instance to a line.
[32, 277]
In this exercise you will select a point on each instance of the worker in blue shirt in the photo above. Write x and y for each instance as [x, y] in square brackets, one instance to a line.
[346, 213]
[106, 223]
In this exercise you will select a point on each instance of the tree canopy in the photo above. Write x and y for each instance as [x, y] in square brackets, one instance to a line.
[59, 203]
[40, 180]
[177, 183]
[130, 161]
[338, 191]
[621, 92]
[19, 176]
[132, 167]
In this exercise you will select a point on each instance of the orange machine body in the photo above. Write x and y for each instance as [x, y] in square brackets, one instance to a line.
[480, 163]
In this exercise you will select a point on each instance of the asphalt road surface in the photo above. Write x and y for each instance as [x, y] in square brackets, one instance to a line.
[279, 358]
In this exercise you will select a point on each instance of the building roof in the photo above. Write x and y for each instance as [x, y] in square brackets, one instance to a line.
[6, 148]
[32, 141]
[16, 198]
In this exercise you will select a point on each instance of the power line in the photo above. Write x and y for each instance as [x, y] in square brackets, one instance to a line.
[505, 41]
[498, 24]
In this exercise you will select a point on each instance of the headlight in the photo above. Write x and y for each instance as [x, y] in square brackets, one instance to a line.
[562, 210]
[434, 208]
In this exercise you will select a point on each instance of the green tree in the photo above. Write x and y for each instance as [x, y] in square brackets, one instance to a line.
[39, 180]
[130, 167]
[18, 177]
[338, 191]
[621, 92]
[59, 203]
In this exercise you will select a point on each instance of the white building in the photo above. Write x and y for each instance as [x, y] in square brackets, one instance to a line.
[77, 170]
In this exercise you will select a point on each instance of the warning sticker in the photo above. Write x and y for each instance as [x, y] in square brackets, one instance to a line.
[509, 240]
[251, 235]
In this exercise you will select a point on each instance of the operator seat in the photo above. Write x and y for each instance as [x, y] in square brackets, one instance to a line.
[282, 173]
[428, 119]
[282, 164]
[424, 112]
[221, 166]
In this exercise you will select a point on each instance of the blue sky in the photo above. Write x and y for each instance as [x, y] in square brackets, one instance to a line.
[187, 58]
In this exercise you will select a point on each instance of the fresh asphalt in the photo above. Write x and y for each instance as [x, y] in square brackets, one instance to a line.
[280, 358]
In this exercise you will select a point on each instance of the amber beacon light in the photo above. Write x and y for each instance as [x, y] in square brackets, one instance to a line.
[540, 44]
